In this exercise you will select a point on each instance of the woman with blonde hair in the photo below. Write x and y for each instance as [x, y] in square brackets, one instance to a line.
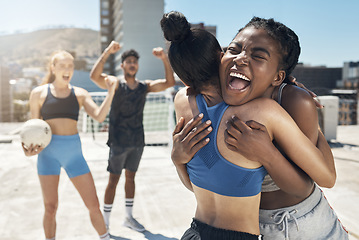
[58, 103]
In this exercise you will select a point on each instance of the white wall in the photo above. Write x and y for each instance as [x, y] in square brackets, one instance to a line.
[141, 31]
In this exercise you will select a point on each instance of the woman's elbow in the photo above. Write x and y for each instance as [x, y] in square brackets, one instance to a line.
[329, 182]
[305, 191]
[97, 117]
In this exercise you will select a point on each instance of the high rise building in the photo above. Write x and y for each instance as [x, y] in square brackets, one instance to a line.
[135, 24]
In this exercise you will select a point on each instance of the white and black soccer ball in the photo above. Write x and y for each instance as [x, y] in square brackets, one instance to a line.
[36, 132]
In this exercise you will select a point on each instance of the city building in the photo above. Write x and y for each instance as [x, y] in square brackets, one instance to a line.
[211, 29]
[340, 82]
[351, 75]
[135, 24]
[319, 79]
[6, 106]
[22, 85]
[348, 94]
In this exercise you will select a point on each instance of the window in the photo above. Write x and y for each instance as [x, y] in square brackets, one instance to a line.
[104, 38]
[105, 21]
[105, 30]
[105, 4]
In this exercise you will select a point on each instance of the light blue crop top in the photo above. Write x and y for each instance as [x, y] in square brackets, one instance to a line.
[209, 170]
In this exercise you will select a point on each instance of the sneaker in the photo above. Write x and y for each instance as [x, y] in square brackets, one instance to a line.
[133, 224]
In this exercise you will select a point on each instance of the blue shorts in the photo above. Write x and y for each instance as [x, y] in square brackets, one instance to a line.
[63, 151]
[313, 218]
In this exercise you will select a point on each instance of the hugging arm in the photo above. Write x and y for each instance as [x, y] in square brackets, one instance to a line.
[324, 147]
[296, 145]
[187, 140]
[287, 175]
[301, 107]
[252, 140]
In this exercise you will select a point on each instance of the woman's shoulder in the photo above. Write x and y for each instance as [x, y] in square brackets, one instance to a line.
[184, 102]
[182, 95]
[261, 104]
[39, 89]
[294, 97]
[293, 93]
[79, 91]
[257, 109]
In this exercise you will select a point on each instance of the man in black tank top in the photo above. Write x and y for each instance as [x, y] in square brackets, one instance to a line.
[126, 134]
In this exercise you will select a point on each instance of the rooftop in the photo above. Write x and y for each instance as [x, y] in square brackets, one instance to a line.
[162, 204]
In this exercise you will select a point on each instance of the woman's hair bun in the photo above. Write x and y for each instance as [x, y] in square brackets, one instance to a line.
[175, 26]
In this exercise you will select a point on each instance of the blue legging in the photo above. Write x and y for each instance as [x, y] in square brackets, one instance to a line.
[63, 151]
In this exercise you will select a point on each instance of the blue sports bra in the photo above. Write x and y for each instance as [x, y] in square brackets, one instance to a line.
[209, 170]
[54, 107]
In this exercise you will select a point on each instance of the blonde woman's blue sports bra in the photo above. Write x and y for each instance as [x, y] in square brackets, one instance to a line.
[209, 170]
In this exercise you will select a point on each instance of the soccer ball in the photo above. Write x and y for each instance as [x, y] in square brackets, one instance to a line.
[36, 132]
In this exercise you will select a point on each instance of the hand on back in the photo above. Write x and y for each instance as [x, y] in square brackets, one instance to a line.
[250, 139]
[189, 139]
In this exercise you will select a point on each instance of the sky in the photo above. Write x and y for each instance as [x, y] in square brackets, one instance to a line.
[328, 30]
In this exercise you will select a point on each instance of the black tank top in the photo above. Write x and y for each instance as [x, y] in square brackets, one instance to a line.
[126, 116]
[54, 107]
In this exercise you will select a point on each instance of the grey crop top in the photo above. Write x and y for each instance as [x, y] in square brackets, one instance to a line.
[268, 184]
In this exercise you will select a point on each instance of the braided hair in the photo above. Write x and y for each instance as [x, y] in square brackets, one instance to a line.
[286, 37]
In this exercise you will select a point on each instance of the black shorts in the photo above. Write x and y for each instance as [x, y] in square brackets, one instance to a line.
[202, 231]
[124, 158]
